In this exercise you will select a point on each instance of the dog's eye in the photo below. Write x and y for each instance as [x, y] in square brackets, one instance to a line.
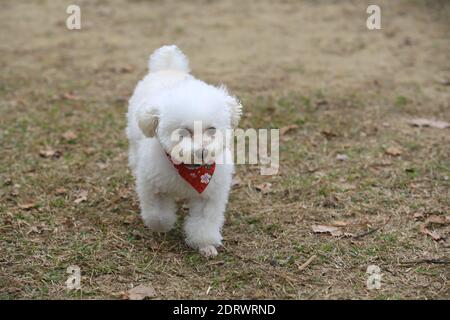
[184, 132]
[210, 131]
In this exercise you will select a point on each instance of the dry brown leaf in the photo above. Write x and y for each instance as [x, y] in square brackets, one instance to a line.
[437, 220]
[328, 133]
[139, 293]
[70, 96]
[89, 151]
[393, 151]
[69, 135]
[264, 188]
[126, 69]
[236, 182]
[421, 122]
[60, 191]
[340, 223]
[28, 206]
[81, 197]
[433, 234]
[418, 216]
[334, 231]
[50, 153]
[286, 129]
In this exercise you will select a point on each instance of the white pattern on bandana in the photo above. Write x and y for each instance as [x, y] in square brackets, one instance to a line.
[205, 178]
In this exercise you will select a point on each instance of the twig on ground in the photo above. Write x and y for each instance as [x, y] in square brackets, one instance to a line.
[372, 230]
[431, 261]
[307, 263]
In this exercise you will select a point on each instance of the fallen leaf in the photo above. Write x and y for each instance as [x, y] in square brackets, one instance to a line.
[70, 96]
[50, 153]
[89, 151]
[28, 206]
[286, 129]
[334, 231]
[340, 223]
[81, 197]
[236, 182]
[126, 69]
[60, 191]
[69, 135]
[418, 216]
[264, 188]
[139, 293]
[421, 122]
[393, 151]
[437, 220]
[328, 133]
[433, 234]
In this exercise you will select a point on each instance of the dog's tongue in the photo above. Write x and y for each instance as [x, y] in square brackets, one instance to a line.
[198, 176]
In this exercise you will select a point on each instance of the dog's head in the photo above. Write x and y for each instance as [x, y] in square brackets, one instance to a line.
[192, 121]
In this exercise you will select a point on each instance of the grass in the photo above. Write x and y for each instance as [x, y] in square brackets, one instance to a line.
[65, 81]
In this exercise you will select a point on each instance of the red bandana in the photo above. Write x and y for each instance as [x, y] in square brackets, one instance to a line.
[198, 176]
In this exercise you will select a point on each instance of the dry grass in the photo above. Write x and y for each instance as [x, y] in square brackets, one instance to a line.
[314, 64]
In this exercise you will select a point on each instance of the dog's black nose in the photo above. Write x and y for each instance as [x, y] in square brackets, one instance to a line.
[201, 154]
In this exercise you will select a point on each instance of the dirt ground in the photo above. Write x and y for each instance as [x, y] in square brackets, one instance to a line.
[66, 194]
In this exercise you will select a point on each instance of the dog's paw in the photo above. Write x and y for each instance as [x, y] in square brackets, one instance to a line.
[208, 251]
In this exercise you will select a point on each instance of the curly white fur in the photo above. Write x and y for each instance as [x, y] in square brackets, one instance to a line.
[167, 99]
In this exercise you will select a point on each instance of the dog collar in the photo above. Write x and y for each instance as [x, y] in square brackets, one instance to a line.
[198, 176]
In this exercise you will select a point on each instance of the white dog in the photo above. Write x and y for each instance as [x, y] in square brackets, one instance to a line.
[161, 116]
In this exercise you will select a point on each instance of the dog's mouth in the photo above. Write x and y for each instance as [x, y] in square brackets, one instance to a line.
[193, 166]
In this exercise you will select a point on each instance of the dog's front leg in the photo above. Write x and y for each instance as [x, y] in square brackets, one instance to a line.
[203, 225]
[157, 210]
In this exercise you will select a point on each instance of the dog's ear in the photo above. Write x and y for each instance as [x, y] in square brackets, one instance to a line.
[235, 110]
[148, 119]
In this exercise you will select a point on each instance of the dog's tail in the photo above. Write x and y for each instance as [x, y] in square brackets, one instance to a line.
[168, 58]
